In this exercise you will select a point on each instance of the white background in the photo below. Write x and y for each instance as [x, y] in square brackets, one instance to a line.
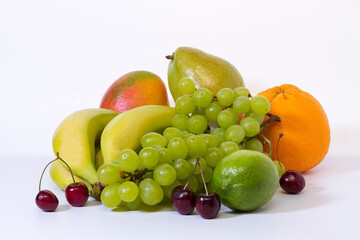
[57, 57]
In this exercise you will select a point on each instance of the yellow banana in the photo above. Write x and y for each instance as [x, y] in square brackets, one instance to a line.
[75, 138]
[126, 130]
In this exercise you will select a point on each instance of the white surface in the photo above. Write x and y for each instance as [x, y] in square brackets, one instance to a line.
[57, 57]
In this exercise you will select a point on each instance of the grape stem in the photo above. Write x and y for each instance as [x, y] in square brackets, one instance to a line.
[272, 118]
[192, 173]
[57, 158]
[268, 142]
[137, 177]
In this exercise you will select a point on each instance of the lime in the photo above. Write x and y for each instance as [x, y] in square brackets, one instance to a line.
[245, 180]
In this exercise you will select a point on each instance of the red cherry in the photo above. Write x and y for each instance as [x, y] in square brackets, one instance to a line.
[183, 200]
[208, 205]
[77, 194]
[46, 201]
[292, 182]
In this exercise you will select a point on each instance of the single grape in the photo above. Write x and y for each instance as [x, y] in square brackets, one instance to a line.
[213, 156]
[150, 192]
[164, 174]
[203, 164]
[197, 124]
[225, 96]
[182, 168]
[179, 121]
[168, 189]
[259, 118]
[212, 111]
[149, 158]
[196, 146]
[177, 148]
[134, 205]
[183, 200]
[208, 173]
[241, 91]
[128, 160]
[210, 140]
[108, 173]
[184, 104]
[292, 182]
[227, 117]
[198, 111]
[193, 184]
[251, 126]
[128, 191]
[164, 156]
[219, 134]
[151, 139]
[202, 97]
[188, 135]
[241, 104]
[260, 105]
[254, 144]
[171, 132]
[186, 85]
[157, 147]
[110, 197]
[228, 147]
[235, 133]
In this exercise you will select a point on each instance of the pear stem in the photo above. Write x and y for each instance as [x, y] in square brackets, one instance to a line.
[57, 158]
[192, 173]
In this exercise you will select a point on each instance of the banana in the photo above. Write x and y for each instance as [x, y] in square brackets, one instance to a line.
[74, 139]
[126, 130]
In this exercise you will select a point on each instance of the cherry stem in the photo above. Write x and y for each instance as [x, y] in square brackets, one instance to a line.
[57, 158]
[202, 176]
[273, 118]
[277, 146]
[192, 173]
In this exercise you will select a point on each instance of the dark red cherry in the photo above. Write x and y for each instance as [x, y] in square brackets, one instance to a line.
[46, 201]
[183, 200]
[77, 194]
[208, 206]
[292, 182]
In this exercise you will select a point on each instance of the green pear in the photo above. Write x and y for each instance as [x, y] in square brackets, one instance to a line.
[206, 70]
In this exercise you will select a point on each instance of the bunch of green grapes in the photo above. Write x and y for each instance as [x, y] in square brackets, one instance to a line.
[166, 160]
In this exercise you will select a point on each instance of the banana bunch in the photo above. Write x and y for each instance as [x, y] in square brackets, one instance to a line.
[77, 139]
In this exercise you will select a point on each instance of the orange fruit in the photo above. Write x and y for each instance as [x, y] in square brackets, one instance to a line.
[304, 123]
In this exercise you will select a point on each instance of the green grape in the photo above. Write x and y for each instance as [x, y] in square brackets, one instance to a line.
[196, 146]
[212, 111]
[149, 157]
[202, 162]
[179, 121]
[207, 175]
[164, 174]
[153, 138]
[128, 191]
[184, 104]
[150, 192]
[213, 156]
[219, 134]
[177, 148]
[128, 160]
[197, 124]
[156, 147]
[198, 111]
[251, 126]
[235, 133]
[225, 96]
[110, 197]
[164, 156]
[185, 131]
[134, 205]
[188, 135]
[241, 91]
[171, 132]
[168, 189]
[186, 85]
[227, 117]
[182, 168]
[193, 184]
[254, 144]
[202, 97]
[210, 187]
[210, 140]
[228, 147]
[260, 105]
[108, 173]
[259, 118]
[241, 104]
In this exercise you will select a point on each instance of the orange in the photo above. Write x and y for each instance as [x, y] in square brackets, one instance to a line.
[304, 123]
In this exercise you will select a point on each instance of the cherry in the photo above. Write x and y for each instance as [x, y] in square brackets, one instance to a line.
[183, 200]
[208, 205]
[46, 201]
[292, 182]
[77, 194]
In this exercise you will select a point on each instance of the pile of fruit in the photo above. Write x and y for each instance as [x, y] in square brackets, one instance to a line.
[215, 146]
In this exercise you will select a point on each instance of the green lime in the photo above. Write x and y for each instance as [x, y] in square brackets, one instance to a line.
[245, 180]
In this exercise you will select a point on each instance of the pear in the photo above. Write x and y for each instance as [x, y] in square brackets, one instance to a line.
[206, 70]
